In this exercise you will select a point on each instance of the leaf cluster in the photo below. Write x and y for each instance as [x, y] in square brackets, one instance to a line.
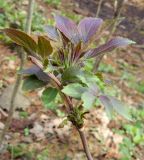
[62, 53]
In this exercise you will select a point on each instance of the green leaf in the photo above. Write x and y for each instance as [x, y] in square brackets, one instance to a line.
[48, 96]
[21, 38]
[45, 63]
[90, 80]
[26, 131]
[70, 75]
[18, 150]
[74, 90]
[51, 105]
[32, 83]
[23, 114]
[88, 99]
[139, 87]
[44, 47]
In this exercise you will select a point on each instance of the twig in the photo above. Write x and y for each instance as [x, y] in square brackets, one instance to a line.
[12, 102]
[29, 16]
[141, 23]
[57, 82]
[117, 14]
[99, 8]
[19, 76]
[85, 144]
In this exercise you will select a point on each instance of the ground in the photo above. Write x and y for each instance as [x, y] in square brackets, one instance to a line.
[34, 129]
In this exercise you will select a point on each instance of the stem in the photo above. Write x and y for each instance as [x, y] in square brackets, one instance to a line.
[56, 81]
[68, 104]
[85, 144]
[137, 27]
[29, 16]
[19, 76]
[99, 8]
[97, 63]
[12, 101]
[116, 17]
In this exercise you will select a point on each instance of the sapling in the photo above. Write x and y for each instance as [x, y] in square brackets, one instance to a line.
[59, 58]
[19, 77]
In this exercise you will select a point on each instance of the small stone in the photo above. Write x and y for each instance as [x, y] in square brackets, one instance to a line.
[25, 2]
[1, 126]
[27, 140]
[21, 101]
[38, 131]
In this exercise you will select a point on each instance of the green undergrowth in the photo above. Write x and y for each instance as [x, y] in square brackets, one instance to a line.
[133, 135]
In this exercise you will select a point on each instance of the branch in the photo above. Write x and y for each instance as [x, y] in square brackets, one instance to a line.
[141, 23]
[19, 76]
[85, 144]
[117, 14]
[68, 104]
[29, 16]
[67, 99]
[99, 8]
[56, 81]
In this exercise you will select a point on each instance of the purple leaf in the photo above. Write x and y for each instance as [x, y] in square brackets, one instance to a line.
[119, 107]
[42, 76]
[112, 104]
[52, 32]
[88, 27]
[68, 28]
[38, 72]
[109, 46]
[107, 104]
[30, 71]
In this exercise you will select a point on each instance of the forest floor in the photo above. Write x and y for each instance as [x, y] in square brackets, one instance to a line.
[34, 132]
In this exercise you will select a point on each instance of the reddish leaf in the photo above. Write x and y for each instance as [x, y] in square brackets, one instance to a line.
[22, 39]
[109, 46]
[88, 27]
[68, 28]
[77, 52]
[44, 47]
[107, 104]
